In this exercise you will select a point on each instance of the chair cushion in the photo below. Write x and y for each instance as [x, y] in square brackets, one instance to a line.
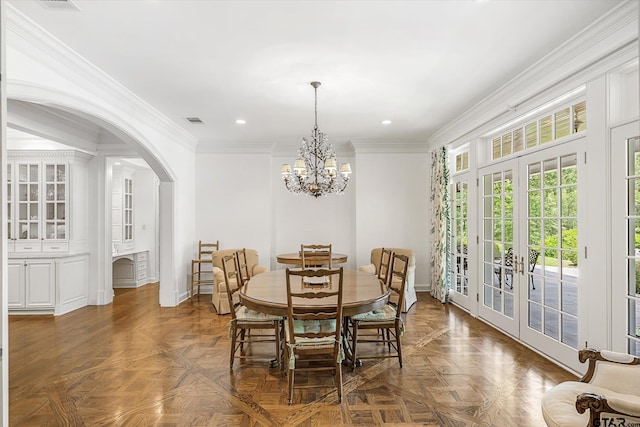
[388, 312]
[312, 326]
[247, 314]
[559, 403]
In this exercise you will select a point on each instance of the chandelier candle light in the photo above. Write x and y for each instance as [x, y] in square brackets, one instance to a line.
[315, 171]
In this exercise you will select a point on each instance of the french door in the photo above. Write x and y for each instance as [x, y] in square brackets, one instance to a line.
[529, 284]
[625, 237]
[463, 289]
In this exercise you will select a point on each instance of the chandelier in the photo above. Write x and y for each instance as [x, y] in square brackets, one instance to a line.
[315, 171]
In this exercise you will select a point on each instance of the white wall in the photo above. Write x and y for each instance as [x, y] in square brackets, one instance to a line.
[392, 206]
[233, 203]
[253, 209]
[301, 219]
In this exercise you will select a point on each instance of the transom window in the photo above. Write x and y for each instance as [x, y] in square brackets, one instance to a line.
[546, 129]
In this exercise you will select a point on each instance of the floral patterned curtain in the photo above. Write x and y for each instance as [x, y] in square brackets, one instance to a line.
[440, 226]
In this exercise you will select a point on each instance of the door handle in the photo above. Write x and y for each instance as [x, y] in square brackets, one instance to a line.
[522, 265]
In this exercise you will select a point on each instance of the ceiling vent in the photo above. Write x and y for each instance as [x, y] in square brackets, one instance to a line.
[59, 4]
[195, 120]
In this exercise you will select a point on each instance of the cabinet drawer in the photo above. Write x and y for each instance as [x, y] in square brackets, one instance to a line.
[142, 266]
[142, 256]
[55, 247]
[142, 274]
[29, 247]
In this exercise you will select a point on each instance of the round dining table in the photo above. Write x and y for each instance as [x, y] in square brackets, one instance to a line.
[267, 292]
[294, 258]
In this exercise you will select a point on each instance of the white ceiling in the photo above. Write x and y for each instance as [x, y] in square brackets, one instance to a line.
[417, 63]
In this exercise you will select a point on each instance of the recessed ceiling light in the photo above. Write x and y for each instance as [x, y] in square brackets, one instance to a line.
[117, 163]
[386, 122]
[241, 121]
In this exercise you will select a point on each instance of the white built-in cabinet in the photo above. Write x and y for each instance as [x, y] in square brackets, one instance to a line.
[130, 258]
[47, 228]
[130, 270]
[32, 284]
[122, 212]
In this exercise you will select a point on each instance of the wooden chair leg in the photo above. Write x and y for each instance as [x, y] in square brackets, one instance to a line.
[354, 344]
[290, 379]
[276, 330]
[233, 344]
[243, 334]
[399, 344]
[339, 381]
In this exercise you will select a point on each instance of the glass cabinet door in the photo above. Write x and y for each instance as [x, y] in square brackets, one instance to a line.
[55, 201]
[128, 210]
[28, 201]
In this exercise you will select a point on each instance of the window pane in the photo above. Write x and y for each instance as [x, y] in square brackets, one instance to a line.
[634, 319]
[506, 144]
[580, 116]
[546, 129]
[518, 140]
[496, 148]
[534, 232]
[570, 330]
[570, 235]
[551, 323]
[531, 131]
[569, 171]
[634, 277]
[633, 156]
[634, 196]
[550, 173]
[562, 119]
[535, 317]
[569, 201]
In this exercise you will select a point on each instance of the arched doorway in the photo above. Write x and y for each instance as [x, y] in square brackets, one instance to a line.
[45, 113]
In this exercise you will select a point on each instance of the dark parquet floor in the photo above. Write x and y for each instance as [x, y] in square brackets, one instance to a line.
[133, 363]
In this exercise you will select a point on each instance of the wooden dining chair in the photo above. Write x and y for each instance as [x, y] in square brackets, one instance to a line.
[243, 266]
[385, 261]
[201, 267]
[315, 256]
[313, 329]
[243, 320]
[388, 319]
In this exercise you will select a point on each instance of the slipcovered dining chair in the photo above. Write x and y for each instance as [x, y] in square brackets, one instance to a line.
[609, 389]
[219, 297]
[244, 320]
[201, 271]
[387, 321]
[313, 328]
[374, 267]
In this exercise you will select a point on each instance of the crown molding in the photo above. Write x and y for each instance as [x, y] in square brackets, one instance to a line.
[291, 150]
[366, 146]
[63, 60]
[235, 148]
[613, 35]
[45, 154]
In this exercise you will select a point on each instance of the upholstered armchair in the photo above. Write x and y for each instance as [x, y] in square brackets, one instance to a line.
[607, 395]
[219, 299]
[410, 290]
